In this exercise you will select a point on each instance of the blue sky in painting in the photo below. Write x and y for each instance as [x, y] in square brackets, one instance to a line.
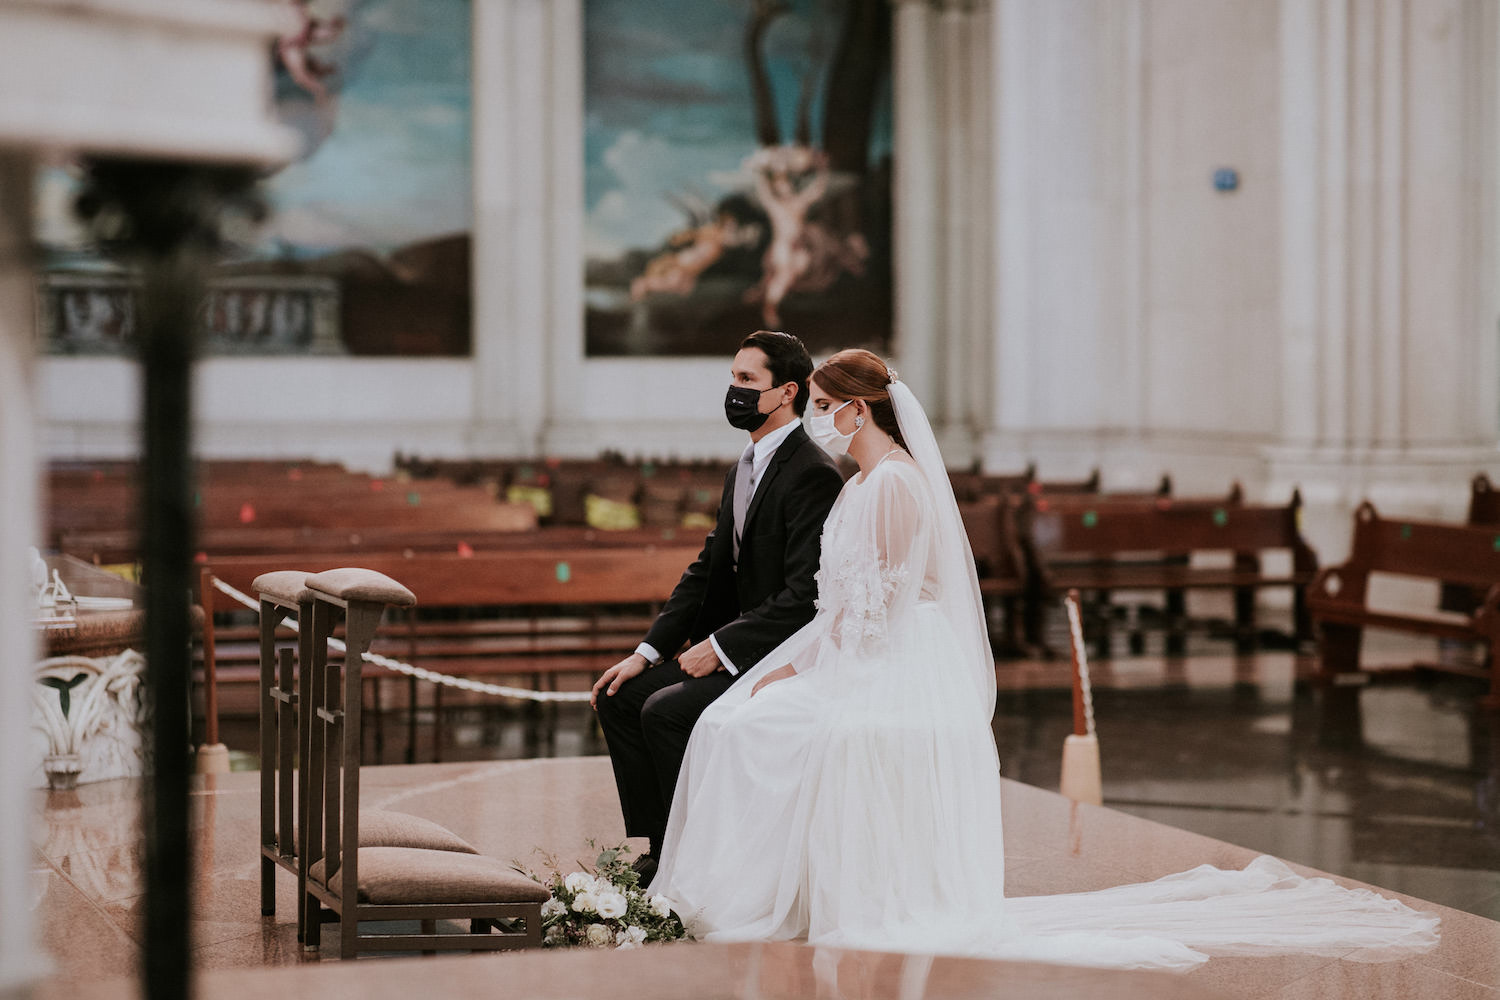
[396, 167]
[668, 106]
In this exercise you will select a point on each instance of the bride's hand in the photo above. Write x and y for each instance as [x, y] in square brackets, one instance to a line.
[779, 674]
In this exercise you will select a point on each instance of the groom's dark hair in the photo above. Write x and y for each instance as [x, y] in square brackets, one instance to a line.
[788, 360]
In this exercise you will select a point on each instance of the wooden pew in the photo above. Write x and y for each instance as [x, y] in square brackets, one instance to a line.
[1484, 511]
[102, 516]
[1337, 598]
[110, 547]
[1001, 564]
[536, 613]
[1149, 544]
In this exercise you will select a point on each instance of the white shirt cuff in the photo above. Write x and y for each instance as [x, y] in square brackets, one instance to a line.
[649, 652]
[722, 658]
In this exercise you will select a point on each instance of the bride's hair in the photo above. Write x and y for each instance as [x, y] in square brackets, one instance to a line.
[858, 374]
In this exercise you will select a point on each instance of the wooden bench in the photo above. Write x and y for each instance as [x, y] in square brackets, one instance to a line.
[293, 498]
[110, 547]
[528, 613]
[1484, 511]
[1151, 544]
[1338, 598]
[1001, 564]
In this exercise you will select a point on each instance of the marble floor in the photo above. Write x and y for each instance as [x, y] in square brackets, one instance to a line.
[89, 897]
[1207, 757]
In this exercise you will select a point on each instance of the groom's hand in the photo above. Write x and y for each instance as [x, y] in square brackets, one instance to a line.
[699, 660]
[616, 675]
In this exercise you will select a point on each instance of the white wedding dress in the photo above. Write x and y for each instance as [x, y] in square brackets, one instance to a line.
[857, 802]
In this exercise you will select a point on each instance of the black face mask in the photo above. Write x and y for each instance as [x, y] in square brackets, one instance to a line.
[742, 407]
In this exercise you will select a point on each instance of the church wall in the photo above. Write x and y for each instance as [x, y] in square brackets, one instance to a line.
[1070, 287]
[1211, 278]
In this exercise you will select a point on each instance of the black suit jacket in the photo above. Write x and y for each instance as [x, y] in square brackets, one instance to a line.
[752, 609]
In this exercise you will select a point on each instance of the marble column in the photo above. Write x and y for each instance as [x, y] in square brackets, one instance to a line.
[516, 170]
[1389, 220]
[918, 291]
[1010, 277]
[979, 199]
[943, 193]
[956, 320]
[20, 959]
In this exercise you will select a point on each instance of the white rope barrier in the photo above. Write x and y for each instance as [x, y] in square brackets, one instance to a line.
[423, 674]
[1075, 625]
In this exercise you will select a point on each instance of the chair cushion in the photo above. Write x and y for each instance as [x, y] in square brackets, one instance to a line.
[383, 828]
[353, 584]
[405, 876]
[286, 586]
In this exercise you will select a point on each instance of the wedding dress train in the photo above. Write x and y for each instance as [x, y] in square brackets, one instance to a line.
[857, 802]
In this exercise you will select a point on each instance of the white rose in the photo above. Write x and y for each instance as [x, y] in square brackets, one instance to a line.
[599, 935]
[577, 882]
[631, 937]
[610, 905]
[661, 906]
[553, 908]
[584, 902]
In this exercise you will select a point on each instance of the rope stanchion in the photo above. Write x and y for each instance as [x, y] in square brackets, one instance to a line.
[423, 674]
[1081, 780]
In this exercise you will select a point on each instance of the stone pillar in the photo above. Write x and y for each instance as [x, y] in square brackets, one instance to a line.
[1010, 275]
[514, 167]
[496, 338]
[918, 291]
[978, 244]
[20, 959]
[960, 331]
[1388, 344]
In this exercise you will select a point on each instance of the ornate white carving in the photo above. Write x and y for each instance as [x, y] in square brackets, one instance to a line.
[87, 716]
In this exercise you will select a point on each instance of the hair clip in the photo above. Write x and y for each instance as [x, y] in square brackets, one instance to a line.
[892, 373]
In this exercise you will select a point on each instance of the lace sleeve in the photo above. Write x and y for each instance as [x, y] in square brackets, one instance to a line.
[874, 572]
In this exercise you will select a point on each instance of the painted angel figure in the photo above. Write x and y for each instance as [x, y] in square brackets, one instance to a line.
[803, 255]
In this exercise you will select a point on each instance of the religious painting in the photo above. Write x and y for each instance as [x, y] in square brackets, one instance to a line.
[366, 250]
[737, 174]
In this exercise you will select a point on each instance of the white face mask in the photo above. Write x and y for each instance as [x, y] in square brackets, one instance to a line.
[822, 430]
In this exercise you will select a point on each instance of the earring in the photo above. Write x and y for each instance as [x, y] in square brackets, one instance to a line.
[859, 422]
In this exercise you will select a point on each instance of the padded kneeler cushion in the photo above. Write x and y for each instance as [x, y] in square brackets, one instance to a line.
[286, 586]
[382, 828]
[404, 876]
[354, 584]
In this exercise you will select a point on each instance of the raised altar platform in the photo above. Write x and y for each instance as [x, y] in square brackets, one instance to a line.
[87, 883]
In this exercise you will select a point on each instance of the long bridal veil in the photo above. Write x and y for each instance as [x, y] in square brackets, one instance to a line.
[858, 802]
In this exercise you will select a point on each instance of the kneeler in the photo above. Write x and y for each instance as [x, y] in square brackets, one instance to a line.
[285, 741]
[355, 881]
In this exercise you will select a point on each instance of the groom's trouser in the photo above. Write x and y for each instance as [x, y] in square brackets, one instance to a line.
[647, 723]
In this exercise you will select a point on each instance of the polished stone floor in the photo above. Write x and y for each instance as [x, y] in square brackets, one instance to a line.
[89, 895]
[1394, 782]
[1207, 757]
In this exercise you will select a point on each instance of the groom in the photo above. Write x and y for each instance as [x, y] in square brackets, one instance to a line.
[749, 589]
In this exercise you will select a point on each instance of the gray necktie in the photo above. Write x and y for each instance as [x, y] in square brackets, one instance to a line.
[743, 488]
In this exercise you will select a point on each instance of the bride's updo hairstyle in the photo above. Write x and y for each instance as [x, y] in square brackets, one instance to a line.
[858, 374]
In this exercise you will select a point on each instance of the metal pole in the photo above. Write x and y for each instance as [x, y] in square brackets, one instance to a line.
[168, 302]
[210, 666]
[164, 217]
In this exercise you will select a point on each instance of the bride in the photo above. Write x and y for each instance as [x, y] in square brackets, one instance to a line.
[847, 790]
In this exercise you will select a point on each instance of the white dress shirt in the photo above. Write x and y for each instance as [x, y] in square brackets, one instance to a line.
[764, 449]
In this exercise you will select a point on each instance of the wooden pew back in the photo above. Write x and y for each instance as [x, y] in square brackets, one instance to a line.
[1458, 553]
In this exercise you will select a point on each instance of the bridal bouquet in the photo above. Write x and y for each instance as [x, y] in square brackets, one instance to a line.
[605, 907]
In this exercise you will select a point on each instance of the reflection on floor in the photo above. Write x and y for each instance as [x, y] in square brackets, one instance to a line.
[1395, 783]
[89, 895]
